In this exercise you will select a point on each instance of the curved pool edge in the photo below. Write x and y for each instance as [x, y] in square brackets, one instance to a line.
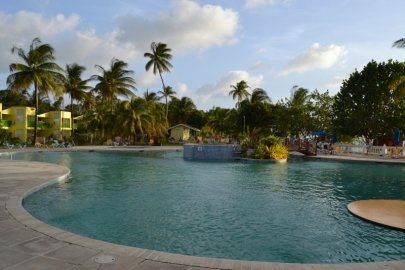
[15, 187]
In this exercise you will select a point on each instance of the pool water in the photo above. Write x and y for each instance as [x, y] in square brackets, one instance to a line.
[294, 212]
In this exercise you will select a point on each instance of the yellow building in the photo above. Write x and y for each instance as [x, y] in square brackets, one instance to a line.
[182, 132]
[20, 122]
[58, 124]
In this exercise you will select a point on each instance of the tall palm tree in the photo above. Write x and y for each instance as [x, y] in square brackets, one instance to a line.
[239, 91]
[38, 69]
[259, 96]
[167, 93]
[74, 85]
[114, 82]
[159, 59]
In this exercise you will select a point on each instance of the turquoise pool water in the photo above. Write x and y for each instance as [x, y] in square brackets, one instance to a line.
[294, 212]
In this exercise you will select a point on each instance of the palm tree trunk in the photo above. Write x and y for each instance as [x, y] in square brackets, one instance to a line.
[164, 88]
[36, 114]
[71, 111]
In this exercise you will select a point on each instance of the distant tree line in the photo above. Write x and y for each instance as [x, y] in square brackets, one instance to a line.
[370, 103]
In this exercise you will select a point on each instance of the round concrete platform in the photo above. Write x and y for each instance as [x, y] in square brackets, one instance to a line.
[386, 212]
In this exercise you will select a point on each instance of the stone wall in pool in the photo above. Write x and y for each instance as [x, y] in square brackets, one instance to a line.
[211, 152]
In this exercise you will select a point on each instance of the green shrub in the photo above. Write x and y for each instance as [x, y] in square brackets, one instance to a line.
[5, 136]
[271, 140]
[270, 148]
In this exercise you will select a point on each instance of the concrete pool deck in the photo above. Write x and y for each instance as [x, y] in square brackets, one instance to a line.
[27, 243]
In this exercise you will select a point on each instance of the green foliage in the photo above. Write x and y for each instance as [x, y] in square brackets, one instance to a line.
[276, 151]
[239, 91]
[271, 141]
[38, 69]
[5, 136]
[115, 81]
[15, 140]
[180, 111]
[270, 147]
[370, 103]
[80, 139]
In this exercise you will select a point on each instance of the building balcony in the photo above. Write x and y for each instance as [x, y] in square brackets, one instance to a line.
[40, 124]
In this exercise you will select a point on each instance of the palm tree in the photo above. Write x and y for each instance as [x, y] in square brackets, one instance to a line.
[115, 81]
[239, 91]
[37, 69]
[150, 96]
[159, 59]
[167, 93]
[400, 43]
[160, 123]
[259, 96]
[134, 115]
[89, 101]
[74, 85]
[181, 109]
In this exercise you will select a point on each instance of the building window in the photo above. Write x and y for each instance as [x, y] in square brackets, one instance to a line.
[66, 122]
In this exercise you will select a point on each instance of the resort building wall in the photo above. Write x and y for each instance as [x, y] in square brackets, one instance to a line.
[20, 122]
[182, 132]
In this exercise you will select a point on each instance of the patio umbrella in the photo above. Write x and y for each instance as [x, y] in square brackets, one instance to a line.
[397, 136]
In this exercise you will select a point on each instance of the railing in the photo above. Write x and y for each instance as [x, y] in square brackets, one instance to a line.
[303, 146]
[43, 125]
[40, 124]
[5, 123]
[368, 150]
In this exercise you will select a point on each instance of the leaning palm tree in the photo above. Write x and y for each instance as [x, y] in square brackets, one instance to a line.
[159, 59]
[167, 93]
[74, 85]
[259, 95]
[239, 91]
[38, 69]
[114, 82]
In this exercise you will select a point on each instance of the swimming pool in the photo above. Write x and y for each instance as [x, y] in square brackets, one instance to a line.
[294, 212]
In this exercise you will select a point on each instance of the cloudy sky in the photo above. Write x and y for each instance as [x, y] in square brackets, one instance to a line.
[271, 44]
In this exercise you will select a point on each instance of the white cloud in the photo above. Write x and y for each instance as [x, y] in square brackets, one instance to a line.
[257, 3]
[258, 65]
[334, 84]
[21, 28]
[90, 48]
[147, 79]
[185, 26]
[182, 90]
[316, 57]
[217, 94]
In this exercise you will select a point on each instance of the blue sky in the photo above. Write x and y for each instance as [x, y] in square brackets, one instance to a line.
[272, 44]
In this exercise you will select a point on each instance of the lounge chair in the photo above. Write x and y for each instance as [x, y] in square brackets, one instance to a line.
[9, 146]
[57, 144]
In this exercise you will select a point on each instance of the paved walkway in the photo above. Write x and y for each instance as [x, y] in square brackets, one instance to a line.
[27, 243]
